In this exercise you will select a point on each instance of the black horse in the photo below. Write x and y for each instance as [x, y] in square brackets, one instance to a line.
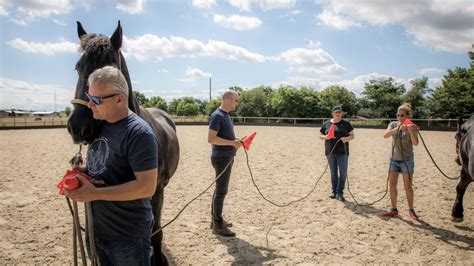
[465, 158]
[99, 51]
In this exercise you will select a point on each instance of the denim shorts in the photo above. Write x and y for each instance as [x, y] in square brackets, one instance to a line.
[405, 166]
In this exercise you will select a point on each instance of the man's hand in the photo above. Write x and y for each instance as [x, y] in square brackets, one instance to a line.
[85, 193]
[237, 143]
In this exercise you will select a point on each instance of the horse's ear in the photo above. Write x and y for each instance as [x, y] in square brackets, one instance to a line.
[80, 30]
[116, 38]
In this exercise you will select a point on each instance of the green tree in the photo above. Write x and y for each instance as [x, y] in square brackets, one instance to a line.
[416, 97]
[383, 97]
[455, 97]
[212, 106]
[157, 102]
[338, 96]
[67, 111]
[255, 102]
[140, 97]
[290, 102]
[184, 106]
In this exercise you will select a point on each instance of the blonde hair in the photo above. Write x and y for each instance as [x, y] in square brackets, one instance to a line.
[111, 76]
[229, 95]
[405, 107]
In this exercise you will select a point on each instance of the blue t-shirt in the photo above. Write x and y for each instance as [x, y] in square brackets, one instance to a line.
[220, 121]
[123, 148]
[341, 129]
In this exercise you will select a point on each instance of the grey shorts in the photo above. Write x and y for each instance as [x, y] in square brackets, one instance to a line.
[405, 166]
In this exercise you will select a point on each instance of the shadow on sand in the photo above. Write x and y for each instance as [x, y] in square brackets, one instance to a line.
[442, 234]
[245, 253]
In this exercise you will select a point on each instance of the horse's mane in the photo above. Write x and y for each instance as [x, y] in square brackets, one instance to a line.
[97, 52]
[468, 124]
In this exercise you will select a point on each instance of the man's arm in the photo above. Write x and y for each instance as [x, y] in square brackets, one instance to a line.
[212, 138]
[143, 187]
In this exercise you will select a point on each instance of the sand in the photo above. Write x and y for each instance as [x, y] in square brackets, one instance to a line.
[35, 224]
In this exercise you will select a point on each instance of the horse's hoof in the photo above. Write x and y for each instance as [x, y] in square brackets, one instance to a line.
[457, 220]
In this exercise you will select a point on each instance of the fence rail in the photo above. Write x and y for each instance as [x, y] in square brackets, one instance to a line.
[427, 124]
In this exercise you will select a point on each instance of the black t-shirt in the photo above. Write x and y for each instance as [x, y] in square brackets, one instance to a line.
[220, 121]
[341, 129]
[123, 148]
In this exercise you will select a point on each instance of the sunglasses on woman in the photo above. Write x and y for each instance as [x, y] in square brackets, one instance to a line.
[98, 100]
[400, 115]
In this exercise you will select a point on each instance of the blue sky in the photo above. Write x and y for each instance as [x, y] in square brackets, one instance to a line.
[172, 48]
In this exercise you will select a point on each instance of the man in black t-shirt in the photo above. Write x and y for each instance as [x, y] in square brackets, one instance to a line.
[337, 153]
[123, 164]
[224, 146]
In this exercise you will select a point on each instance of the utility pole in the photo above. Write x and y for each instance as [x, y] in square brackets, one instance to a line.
[55, 101]
[210, 90]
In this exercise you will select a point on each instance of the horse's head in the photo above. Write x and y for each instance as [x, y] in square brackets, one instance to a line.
[97, 51]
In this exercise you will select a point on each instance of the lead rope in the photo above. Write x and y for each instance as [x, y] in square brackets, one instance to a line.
[76, 161]
[187, 204]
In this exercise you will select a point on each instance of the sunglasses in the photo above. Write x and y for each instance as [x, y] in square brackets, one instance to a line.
[400, 115]
[98, 100]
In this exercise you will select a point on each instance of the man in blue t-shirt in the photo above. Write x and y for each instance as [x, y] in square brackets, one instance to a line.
[224, 146]
[123, 164]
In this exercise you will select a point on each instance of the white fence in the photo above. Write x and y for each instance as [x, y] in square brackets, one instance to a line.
[434, 124]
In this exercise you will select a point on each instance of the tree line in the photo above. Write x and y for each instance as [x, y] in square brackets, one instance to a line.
[379, 99]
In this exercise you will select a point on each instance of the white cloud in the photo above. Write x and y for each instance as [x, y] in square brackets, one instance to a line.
[298, 82]
[296, 12]
[85, 4]
[3, 11]
[162, 70]
[130, 6]
[17, 94]
[47, 48]
[59, 22]
[196, 73]
[246, 5]
[24, 12]
[314, 44]
[236, 22]
[431, 71]
[442, 25]
[314, 60]
[19, 22]
[155, 47]
[336, 21]
[207, 4]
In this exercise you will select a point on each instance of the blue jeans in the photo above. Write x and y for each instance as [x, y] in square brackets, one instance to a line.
[338, 162]
[124, 252]
[405, 166]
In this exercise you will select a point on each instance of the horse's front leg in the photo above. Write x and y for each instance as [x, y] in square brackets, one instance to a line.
[458, 210]
[159, 258]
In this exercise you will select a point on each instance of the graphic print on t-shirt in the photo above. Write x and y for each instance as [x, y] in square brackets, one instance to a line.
[97, 156]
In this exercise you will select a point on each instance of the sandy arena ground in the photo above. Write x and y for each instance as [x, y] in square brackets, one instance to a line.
[35, 224]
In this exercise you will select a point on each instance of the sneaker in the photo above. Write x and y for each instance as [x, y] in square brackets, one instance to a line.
[341, 198]
[332, 196]
[412, 214]
[391, 213]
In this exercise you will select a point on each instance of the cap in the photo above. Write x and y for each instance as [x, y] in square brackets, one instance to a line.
[336, 109]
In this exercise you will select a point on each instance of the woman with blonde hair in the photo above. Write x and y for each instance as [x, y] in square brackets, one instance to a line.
[404, 136]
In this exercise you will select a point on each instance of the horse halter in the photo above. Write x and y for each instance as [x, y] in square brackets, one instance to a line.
[84, 102]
